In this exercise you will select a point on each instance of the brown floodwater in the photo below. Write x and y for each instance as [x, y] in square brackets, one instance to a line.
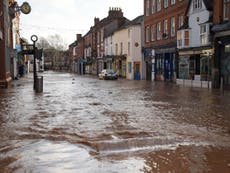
[80, 124]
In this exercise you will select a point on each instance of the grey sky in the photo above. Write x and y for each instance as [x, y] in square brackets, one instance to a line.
[69, 17]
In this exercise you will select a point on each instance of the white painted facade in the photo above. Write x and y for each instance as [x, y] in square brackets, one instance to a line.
[109, 45]
[128, 41]
[197, 18]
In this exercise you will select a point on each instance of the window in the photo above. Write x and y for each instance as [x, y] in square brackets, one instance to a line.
[227, 48]
[179, 39]
[102, 35]
[129, 31]
[159, 31]
[147, 34]
[203, 34]
[147, 8]
[158, 5]
[116, 49]
[197, 4]
[152, 33]
[226, 9]
[153, 6]
[172, 26]
[165, 28]
[186, 38]
[180, 20]
[121, 50]
[130, 67]
[98, 37]
[166, 3]
[128, 48]
[173, 2]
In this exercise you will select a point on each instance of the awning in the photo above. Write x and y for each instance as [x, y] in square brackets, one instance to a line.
[221, 27]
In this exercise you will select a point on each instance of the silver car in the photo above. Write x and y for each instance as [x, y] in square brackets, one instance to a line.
[108, 74]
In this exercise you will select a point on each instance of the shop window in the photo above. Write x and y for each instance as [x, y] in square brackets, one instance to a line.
[130, 67]
[227, 48]
[205, 68]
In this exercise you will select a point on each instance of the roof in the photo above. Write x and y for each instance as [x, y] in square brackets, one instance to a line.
[137, 21]
[208, 4]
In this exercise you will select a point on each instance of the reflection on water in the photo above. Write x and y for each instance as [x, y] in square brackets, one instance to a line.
[82, 124]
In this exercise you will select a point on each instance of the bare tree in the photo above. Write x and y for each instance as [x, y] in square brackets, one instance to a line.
[57, 42]
[43, 43]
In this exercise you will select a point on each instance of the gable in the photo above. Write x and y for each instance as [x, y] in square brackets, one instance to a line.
[206, 5]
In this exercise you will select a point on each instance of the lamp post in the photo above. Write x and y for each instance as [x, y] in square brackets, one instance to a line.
[34, 38]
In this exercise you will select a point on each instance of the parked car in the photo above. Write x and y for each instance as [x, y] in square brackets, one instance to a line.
[108, 74]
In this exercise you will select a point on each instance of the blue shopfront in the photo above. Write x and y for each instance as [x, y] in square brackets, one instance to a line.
[165, 67]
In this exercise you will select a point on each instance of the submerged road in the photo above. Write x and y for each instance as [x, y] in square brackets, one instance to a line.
[80, 124]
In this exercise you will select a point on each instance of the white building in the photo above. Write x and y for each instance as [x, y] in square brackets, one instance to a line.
[127, 50]
[194, 44]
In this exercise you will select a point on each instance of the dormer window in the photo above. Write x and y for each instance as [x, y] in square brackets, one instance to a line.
[197, 4]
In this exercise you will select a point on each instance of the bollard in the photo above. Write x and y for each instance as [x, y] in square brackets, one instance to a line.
[222, 85]
[39, 84]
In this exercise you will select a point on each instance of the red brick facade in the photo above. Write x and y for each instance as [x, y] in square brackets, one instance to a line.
[161, 22]
[174, 10]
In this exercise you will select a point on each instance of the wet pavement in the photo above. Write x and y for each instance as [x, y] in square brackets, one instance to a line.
[80, 124]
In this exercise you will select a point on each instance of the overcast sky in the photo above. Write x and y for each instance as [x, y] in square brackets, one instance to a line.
[69, 17]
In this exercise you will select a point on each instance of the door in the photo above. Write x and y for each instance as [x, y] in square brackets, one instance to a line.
[148, 70]
[168, 67]
[137, 74]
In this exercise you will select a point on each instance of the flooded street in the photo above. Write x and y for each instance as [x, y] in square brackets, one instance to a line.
[80, 124]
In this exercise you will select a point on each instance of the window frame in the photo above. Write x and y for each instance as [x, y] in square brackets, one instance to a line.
[166, 3]
[153, 6]
[147, 34]
[158, 5]
[172, 27]
[159, 31]
[173, 2]
[165, 28]
[152, 33]
[147, 3]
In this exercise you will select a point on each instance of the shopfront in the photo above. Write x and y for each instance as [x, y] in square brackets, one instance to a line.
[195, 68]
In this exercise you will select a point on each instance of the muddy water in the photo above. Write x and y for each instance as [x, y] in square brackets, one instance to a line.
[85, 125]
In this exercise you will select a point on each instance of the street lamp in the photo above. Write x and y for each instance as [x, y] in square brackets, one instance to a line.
[25, 8]
[34, 38]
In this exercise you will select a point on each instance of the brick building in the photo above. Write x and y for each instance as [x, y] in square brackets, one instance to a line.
[78, 53]
[162, 19]
[221, 29]
[102, 28]
[6, 46]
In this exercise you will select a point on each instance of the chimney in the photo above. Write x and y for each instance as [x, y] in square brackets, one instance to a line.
[78, 37]
[96, 20]
[115, 12]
